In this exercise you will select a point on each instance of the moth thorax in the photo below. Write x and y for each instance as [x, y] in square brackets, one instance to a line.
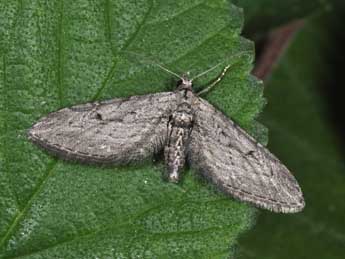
[182, 119]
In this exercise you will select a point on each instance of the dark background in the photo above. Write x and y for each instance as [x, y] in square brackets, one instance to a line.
[304, 87]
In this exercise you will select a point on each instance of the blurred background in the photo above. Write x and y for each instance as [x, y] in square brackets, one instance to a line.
[300, 57]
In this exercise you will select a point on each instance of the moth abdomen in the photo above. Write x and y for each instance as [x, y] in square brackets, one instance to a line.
[179, 128]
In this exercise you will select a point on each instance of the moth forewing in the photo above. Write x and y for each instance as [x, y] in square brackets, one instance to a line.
[118, 131]
[122, 131]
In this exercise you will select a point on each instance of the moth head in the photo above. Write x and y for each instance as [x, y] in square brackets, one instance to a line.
[185, 83]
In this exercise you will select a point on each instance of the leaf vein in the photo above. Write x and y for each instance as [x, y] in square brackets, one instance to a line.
[117, 227]
[178, 14]
[22, 212]
[141, 24]
[126, 45]
[107, 11]
[60, 54]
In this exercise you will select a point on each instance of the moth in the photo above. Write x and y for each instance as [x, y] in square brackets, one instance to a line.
[186, 128]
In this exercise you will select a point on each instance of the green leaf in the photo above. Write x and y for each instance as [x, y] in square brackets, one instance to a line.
[303, 137]
[59, 53]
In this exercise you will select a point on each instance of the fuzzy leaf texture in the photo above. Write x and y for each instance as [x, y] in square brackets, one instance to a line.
[55, 54]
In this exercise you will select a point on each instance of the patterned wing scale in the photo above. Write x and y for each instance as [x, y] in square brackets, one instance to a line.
[240, 166]
[117, 131]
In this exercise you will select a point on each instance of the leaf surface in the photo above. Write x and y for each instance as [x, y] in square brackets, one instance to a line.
[55, 54]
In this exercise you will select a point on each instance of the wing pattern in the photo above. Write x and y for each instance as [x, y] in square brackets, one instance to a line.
[237, 164]
[117, 131]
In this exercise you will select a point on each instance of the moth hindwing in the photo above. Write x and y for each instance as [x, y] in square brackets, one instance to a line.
[122, 131]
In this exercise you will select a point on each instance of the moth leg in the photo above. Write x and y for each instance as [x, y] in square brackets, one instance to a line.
[208, 88]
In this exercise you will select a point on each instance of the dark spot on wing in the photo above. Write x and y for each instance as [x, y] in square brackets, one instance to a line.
[99, 116]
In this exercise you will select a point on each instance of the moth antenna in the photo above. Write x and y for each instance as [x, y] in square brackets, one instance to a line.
[208, 88]
[222, 62]
[154, 62]
[208, 70]
[168, 71]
